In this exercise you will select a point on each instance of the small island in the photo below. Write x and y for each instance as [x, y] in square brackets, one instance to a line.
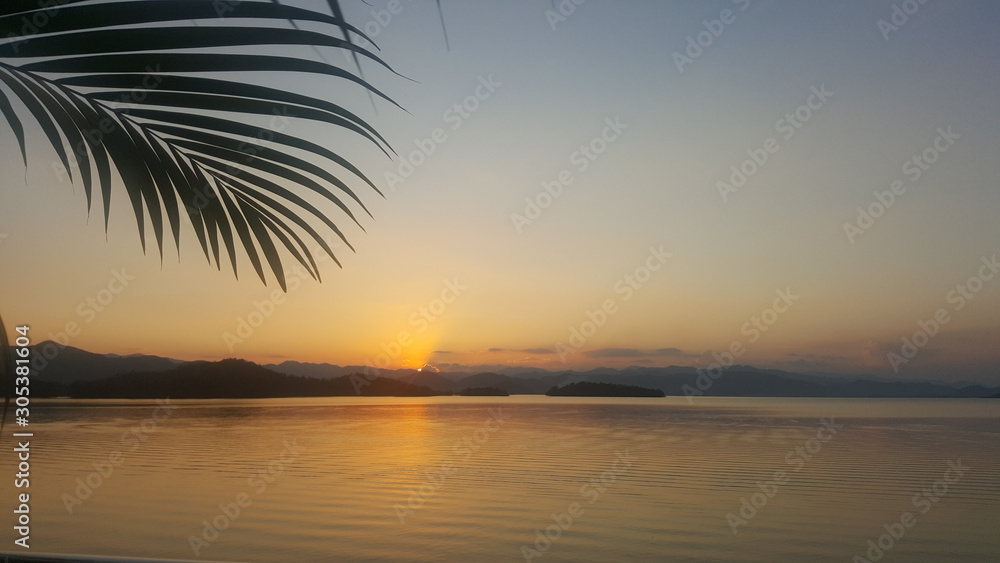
[589, 389]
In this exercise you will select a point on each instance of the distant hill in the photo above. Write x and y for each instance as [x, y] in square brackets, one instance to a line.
[589, 389]
[509, 384]
[67, 365]
[428, 379]
[233, 379]
[746, 381]
[318, 371]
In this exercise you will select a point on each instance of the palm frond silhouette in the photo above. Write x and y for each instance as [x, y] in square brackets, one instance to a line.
[164, 92]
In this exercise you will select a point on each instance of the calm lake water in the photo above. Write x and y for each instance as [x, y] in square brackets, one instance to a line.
[456, 479]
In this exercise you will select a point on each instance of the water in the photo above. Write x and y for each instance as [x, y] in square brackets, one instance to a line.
[375, 479]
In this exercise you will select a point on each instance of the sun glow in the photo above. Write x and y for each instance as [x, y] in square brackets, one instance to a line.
[413, 354]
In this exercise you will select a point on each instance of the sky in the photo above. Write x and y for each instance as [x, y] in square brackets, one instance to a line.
[812, 187]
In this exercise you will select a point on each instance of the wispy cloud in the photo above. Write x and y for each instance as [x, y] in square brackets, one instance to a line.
[637, 353]
[615, 353]
[538, 351]
[671, 352]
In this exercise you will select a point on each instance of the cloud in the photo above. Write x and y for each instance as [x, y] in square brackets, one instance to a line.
[615, 353]
[496, 350]
[442, 352]
[816, 357]
[538, 351]
[636, 353]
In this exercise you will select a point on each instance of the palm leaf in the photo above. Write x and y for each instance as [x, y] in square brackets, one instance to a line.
[150, 89]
